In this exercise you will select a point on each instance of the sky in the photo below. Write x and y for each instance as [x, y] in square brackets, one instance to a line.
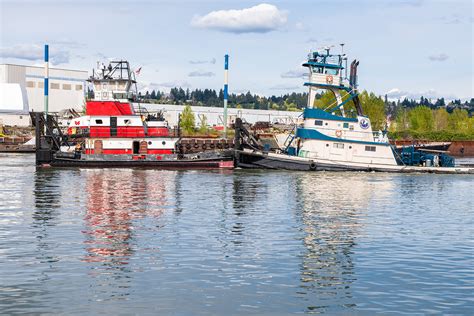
[406, 48]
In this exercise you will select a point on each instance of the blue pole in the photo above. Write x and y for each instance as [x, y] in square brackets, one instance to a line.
[46, 78]
[226, 91]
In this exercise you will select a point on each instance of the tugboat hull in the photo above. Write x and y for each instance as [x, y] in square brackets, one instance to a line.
[261, 160]
[209, 161]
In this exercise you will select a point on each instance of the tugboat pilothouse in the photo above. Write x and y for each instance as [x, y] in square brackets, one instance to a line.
[334, 138]
[114, 133]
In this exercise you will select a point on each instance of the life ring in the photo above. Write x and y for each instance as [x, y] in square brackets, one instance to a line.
[204, 146]
[196, 145]
[188, 146]
[329, 79]
[211, 145]
[338, 133]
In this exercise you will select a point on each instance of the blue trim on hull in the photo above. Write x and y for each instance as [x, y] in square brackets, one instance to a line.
[323, 115]
[306, 133]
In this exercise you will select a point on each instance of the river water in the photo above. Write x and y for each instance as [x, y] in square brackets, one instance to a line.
[122, 241]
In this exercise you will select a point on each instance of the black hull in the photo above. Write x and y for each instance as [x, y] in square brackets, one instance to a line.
[211, 163]
[258, 160]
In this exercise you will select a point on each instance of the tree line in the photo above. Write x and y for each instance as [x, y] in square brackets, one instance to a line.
[408, 118]
[210, 97]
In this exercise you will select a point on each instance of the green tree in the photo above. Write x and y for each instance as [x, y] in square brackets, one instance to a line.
[187, 120]
[458, 120]
[441, 117]
[374, 107]
[401, 120]
[203, 124]
[421, 119]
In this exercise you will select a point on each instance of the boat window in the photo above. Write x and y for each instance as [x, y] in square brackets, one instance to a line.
[351, 127]
[330, 71]
[318, 70]
[98, 121]
[346, 125]
[370, 148]
[318, 123]
[338, 145]
[127, 121]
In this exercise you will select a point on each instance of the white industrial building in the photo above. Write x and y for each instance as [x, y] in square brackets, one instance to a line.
[22, 90]
[215, 115]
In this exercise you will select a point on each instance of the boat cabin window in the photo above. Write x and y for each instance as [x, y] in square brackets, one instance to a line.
[338, 145]
[370, 148]
[99, 122]
[346, 125]
[318, 70]
[120, 96]
[330, 71]
[318, 123]
[127, 121]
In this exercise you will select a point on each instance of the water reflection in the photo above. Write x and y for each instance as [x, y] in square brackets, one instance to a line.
[333, 220]
[47, 198]
[116, 201]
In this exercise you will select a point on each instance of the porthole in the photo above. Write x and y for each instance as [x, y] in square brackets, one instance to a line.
[149, 143]
[163, 143]
[350, 147]
[327, 145]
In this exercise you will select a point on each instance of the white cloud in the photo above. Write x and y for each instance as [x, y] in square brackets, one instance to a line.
[300, 26]
[438, 57]
[162, 86]
[262, 18]
[396, 94]
[34, 52]
[197, 62]
[297, 73]
[200, 73]
[285, 87]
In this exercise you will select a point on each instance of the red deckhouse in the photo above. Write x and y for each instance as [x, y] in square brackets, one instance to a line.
[112, 125]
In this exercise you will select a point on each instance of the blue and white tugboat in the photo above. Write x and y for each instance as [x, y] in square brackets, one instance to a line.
[336, 138]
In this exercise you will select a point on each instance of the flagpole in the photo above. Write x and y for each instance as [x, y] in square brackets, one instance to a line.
[226, 88]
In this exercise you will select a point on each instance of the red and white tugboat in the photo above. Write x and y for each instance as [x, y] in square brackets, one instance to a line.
[113, 133]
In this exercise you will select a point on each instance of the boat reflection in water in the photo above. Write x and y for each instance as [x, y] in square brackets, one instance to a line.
[116, 201]
[333, 221]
